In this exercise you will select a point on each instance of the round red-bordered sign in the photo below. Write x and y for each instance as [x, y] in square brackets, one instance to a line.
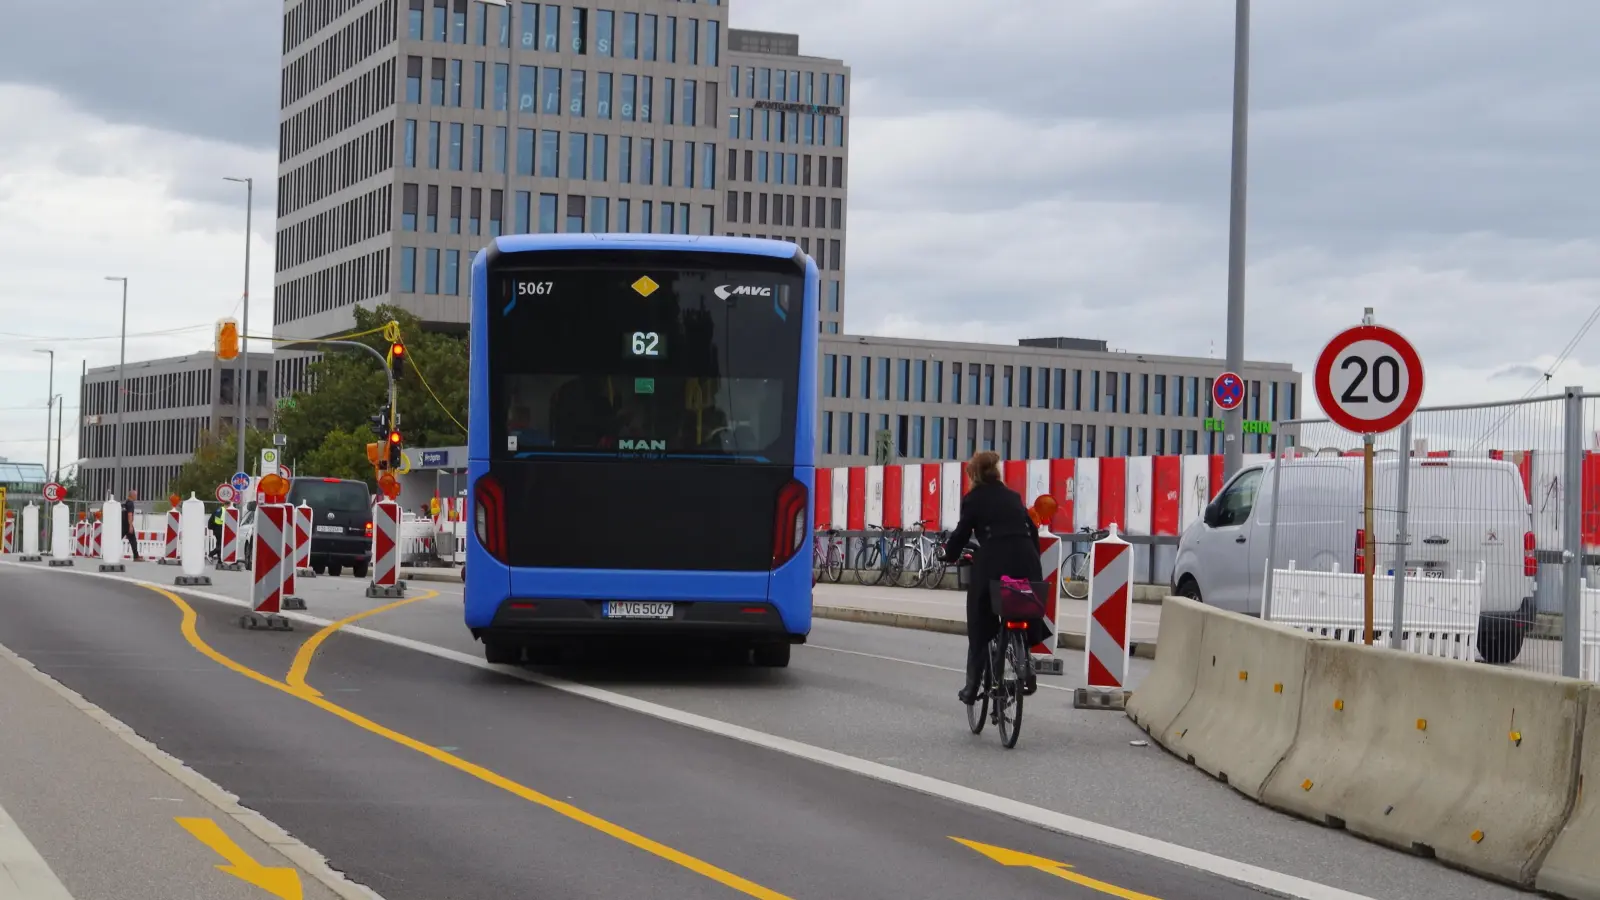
[225, 493]
[1227, 391]
[54, 493]
[1369, 379]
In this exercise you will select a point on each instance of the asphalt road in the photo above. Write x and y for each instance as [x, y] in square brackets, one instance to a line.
[424, 777]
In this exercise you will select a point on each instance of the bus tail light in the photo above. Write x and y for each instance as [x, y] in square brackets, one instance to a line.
[1361, 551]
[1530, 561]
[789, 527]
[488, 517]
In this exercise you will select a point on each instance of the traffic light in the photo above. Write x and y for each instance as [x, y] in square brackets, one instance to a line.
[227, 339]
[397, 358]
[380, 422]
[394, 450]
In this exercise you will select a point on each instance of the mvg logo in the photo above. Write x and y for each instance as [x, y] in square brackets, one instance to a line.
[626, 444]
[724, 291]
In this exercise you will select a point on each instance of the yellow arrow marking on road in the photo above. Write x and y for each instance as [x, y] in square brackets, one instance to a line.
[1050, 867]
[283, 883]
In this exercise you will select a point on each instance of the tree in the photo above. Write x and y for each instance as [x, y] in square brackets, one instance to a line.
[328, 426]
[215, 461]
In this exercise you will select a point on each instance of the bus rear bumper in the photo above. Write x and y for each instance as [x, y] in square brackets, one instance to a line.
[522, 621]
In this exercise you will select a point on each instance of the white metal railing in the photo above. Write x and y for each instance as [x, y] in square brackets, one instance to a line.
[1440, 618]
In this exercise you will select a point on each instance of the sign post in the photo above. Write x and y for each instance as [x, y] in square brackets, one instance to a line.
[1369, 381]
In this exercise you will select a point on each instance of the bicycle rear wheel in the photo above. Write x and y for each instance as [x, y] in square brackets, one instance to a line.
[834, 568]
[1015, 663]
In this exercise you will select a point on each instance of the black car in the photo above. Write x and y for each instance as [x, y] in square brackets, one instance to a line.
[341, 523]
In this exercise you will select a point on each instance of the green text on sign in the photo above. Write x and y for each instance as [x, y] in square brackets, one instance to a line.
[1251, 426]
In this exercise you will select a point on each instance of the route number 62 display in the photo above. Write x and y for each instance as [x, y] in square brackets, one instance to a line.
[1369, 379]
[648, 344]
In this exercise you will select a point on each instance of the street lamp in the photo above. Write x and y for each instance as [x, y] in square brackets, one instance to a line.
[1233, 420]
[50, 399]
[242, 391]
[122, 363]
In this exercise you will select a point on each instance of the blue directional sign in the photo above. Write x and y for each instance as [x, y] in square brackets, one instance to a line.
[1228, 391]
[240, 481]
[435, 458]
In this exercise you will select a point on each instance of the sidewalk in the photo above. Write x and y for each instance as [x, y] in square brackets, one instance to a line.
[946, 611]
[85, 814]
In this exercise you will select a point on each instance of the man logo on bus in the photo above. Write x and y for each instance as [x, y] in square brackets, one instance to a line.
[626, 444]
[725, 291]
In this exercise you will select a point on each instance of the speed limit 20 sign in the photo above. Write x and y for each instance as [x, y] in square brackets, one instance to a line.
[1369, 379]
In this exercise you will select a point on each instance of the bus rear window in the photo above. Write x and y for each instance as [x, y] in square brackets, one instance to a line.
[640, 361]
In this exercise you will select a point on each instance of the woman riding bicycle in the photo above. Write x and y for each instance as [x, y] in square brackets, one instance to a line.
[1008, 546]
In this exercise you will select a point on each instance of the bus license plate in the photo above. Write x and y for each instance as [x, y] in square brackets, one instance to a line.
[330, 529]
[637, 609]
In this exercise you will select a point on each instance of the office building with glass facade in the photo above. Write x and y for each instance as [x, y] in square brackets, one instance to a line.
[414, 131]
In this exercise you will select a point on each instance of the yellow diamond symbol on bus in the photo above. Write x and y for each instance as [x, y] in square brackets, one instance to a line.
[645, 286]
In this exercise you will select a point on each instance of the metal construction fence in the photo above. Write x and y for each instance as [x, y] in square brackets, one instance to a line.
[1484, 542]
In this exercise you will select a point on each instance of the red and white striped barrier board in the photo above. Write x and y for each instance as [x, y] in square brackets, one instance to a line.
[302, 541]
[96, 534]
[8, 541]
[385, 549]
[229, 557]
[170, 555]
[266, 559]
[1050, 550]
[80, 538]
[287, 598]
[1106, 645]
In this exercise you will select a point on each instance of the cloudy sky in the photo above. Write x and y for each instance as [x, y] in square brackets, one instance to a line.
[1054, 168]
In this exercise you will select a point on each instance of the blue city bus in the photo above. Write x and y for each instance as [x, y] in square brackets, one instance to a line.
[641, 444]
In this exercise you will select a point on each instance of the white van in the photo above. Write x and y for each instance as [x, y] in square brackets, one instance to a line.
[1462, 512]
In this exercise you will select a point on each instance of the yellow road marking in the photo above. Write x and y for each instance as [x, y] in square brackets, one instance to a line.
[302, 658]
[634, 839]
[281, 882]
[1050, 867]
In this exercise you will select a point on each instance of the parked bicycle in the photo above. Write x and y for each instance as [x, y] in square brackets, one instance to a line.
[1074, 576]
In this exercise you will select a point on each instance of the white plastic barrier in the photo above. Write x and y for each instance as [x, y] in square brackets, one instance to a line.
[192, 533]
[61, 535]
[1590, 631]
[1441, 614]
[111, 536]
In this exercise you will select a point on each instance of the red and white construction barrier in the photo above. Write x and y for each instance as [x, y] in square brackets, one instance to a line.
[229, 558]
[8, 541]
[80, 537]
[170, 557]
[267, 559]
[1106, 644]
[302, 541]
[96, 533]
[293, 544]
[1144, 495]
[1050, 549]
[385, 550]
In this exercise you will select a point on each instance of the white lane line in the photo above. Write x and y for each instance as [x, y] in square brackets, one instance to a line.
[912, 662]
[24, 875]
[1050, 820]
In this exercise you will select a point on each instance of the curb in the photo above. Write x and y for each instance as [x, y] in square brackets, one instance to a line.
[443, 576]
[1065, 639]
[296, 852]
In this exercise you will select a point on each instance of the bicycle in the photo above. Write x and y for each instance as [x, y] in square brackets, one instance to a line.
[1074, 576]
[827, 556]
[1009, 657]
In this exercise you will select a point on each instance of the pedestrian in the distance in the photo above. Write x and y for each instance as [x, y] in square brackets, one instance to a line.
[128, 532]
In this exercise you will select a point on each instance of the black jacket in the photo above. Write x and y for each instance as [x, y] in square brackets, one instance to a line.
[1008, 539]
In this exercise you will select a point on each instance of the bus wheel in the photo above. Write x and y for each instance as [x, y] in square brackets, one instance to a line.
[774, 656]
[498, 654]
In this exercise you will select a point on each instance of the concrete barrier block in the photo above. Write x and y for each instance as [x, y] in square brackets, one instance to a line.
[1245, 712]
[1572, 869]
[1473, 764]
[1165, 691]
